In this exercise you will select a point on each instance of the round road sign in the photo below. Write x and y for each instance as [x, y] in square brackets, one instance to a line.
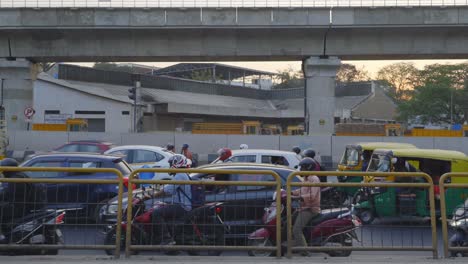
[29, 112]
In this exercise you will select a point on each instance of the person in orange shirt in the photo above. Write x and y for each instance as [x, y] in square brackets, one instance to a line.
[309, 205]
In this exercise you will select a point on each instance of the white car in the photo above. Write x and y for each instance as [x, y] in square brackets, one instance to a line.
[279, 157]
[138, 156]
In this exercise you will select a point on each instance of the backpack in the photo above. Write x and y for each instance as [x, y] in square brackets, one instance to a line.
[198, 194]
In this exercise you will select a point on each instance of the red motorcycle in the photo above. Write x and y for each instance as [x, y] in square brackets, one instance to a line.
[332, 227]
[201, 226]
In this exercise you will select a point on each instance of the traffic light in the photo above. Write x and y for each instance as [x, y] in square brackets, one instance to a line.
[132, 93]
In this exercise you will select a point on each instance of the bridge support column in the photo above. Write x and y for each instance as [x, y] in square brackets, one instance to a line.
[16, 91]
[319, 74]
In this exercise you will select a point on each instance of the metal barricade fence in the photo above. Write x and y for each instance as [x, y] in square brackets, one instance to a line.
[453, 196]
[191, 241]
[26, 231]
[385, 244]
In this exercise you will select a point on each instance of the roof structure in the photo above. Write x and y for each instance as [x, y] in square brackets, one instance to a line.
[227, 72]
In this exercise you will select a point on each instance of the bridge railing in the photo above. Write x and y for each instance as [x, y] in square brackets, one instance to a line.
[223, 3]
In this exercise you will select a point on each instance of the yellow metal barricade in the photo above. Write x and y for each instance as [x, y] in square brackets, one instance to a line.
[443, 208]
[428, 185]
[277, 184]
[118, 180]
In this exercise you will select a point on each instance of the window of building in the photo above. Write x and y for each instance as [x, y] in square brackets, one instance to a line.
[125, 112]
[80, 112]
[52, 112]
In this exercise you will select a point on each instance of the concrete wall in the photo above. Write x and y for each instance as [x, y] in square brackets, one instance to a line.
[325, 146]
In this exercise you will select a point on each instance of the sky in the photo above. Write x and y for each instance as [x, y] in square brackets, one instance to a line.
[372, 67]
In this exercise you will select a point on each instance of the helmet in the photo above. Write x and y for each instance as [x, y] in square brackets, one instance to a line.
[170, 147]
[224, 153]
[178, 161]
[244, 146]
[309, 153]
[307, 164]
[296, 150]
[185, 146]
[9, 162]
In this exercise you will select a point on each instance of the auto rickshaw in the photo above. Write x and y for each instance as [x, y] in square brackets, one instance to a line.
[354, 159]
[406, 201]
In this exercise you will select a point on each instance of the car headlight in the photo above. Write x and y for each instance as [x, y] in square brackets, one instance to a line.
[112, 208]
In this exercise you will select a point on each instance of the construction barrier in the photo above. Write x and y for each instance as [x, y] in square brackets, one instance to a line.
[55, 211]
[453, 191]
[383, 245]
[273, 184]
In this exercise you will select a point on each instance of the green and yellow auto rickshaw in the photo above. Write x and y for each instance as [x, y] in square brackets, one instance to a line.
[406, 201]
[356, 158]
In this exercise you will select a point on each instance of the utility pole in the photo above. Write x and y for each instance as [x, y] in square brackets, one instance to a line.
[134, 94]
[451, 108]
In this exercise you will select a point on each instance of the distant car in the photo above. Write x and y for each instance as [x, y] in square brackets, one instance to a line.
[139, 156]
[243, 205]
[266, 156]
[89, 146]
[87, 198]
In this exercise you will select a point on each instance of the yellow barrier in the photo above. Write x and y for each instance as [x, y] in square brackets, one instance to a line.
[277, 183]
[429, 185]
[118, 181]
[443, 203]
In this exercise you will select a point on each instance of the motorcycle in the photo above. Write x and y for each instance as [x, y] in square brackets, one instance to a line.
[201, 226]
[333, 226]
[38, 228]
[459, 223]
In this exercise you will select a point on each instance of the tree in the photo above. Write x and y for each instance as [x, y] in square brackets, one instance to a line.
[349, 73]
[204, 75]
[400, 79]
[110, 66]
[289, 78]
[440, 95]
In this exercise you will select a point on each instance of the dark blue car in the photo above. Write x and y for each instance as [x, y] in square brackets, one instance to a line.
[87, 198]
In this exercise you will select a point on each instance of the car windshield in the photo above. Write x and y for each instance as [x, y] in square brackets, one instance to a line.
[350, 157]
[379, 163]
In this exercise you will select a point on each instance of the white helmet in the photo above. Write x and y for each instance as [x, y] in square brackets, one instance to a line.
[244, 146]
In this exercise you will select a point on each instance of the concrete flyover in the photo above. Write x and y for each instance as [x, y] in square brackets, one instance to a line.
[228, 34]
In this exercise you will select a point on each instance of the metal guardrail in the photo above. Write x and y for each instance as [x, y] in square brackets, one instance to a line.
[223, 3]
[277, 184]
[118, 181]
[443, 203]
[428, 185]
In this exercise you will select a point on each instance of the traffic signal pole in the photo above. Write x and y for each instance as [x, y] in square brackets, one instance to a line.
[133, 94]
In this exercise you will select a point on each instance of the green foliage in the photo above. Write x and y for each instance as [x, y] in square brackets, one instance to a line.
[400, 78]
[110, 66]
[349, 73]
[289, 78]
[204, 75]
[440, 94]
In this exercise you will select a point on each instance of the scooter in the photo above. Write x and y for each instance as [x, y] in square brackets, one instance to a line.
[459, 223]
[334, 226]
[38, 228]
[201, 226]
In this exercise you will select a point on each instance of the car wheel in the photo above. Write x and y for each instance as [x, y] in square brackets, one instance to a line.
[96, 212]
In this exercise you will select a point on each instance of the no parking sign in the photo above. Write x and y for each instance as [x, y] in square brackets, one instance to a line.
[29, 112]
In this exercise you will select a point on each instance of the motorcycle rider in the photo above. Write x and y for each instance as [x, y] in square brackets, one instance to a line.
[311, 154]
[181, 200]
[310, 203]
[170, 148]
[223, 155]
[19, 199]
[243, 146]
[297, 150]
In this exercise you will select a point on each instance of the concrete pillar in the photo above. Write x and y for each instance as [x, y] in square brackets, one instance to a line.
[320, 76]
[18, 77]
